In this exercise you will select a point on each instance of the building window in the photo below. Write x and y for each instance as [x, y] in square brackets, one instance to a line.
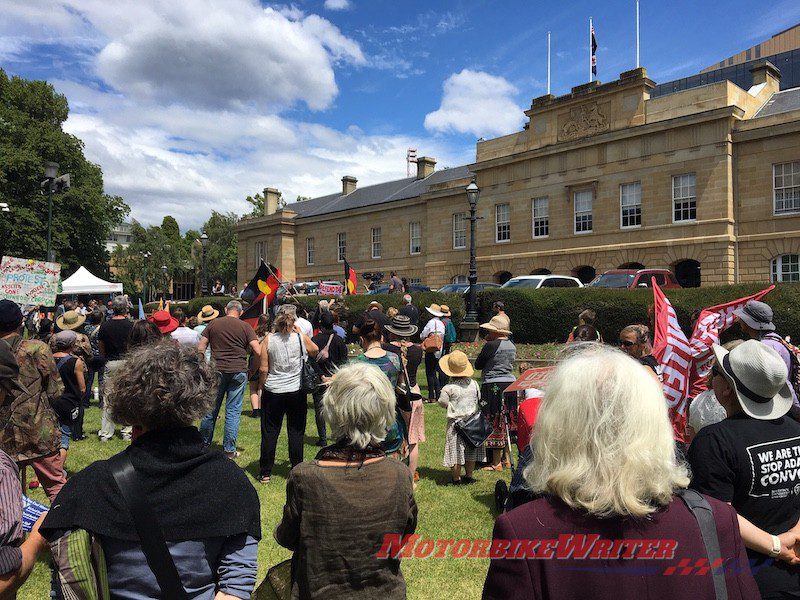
[684, 202]
[786, 268]
[502, 215]
[583, 211]
[415, 281]
[341, 244]
[310, 251]
[376, 242]
[459, 230]
[261, 253]
[630, 204]
[786, 179]
[415, 238]
[460, 279]
[541, 217]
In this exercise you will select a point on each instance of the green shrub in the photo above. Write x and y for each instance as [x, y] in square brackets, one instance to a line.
[195, 305]
[548, 315]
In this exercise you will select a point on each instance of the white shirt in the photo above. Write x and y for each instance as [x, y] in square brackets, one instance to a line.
[285, 363]
[305, 326]
[434, 325]
[460, 397]
[186, 336]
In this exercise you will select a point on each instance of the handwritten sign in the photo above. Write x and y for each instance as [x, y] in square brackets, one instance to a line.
[330, 289]
[26, 281]
[532, 379]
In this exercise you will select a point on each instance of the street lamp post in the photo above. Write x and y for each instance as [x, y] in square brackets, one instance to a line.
[469, 326]
[145, 256]
[204, 282]
[50, 174]
[164, 270]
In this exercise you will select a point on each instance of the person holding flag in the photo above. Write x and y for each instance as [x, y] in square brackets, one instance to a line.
[261, 292]
[349, 279]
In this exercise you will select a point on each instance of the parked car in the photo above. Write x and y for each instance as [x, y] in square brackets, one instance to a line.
[463, 288]
[543, 281]
[635, 278]
[413, 288]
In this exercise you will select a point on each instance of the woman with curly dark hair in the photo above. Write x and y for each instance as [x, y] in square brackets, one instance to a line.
[203, 504]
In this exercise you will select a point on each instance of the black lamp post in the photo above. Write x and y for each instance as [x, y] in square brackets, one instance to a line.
[469, 328]
[164, 270]
[204, 283]
[145, 256]
[50, 175]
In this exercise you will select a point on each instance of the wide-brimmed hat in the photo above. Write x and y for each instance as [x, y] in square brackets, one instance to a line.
[759, 378]
[456, 364]
[209, 313]
[757, 315]
[165, 322]
[445, 310]
[498, 324]
[375, 304]
[401, 325]
[435, 310]
[71, 319]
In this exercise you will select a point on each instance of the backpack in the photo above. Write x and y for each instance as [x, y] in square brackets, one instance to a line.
[794, 363]
[450, 334]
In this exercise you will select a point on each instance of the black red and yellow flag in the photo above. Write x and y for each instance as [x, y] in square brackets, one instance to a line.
[260, 292]
[349, 279]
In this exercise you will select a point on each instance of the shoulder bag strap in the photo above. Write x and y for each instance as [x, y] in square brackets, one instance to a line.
[701, 510]
[151, 537]
[302, 347]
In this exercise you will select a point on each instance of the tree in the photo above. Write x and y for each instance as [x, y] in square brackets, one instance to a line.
[257, 202]
[222, 249]
[31, 116]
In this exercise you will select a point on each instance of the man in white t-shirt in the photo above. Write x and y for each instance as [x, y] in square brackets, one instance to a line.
[184, 335]
[299, 319]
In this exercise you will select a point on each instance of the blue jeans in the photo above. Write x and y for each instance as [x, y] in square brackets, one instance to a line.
[231, 384]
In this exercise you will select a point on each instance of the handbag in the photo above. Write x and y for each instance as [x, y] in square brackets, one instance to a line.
[474, 430]
[277, 585]
[309, 378]
[433, 343]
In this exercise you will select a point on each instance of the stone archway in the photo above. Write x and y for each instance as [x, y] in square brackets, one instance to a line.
[687, 272]
[541, 272]
[502, 276]
[631, 265]
[585, 273]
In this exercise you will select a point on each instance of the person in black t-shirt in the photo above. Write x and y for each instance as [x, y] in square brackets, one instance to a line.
[332, 355]
[409, 310]
[752, 461]
[374, 312]
[112, 341]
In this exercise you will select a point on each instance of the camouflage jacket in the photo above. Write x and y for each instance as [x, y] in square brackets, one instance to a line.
[28, 424]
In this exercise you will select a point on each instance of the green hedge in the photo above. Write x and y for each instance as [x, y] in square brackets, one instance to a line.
[195, 305]
[548, 315]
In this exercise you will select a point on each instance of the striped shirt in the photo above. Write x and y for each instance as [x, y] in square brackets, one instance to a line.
[10, 516]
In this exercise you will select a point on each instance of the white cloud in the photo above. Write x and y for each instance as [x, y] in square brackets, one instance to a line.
[337, 4]
[476, 102]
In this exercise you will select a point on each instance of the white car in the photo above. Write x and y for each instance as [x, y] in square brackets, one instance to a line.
[534, 282]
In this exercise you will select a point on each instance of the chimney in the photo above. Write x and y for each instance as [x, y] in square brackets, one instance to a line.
[425, 166]
[764, 71]
[348, 184]
[271, 196]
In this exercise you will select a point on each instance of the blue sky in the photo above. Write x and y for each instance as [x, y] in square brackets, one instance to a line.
[191, 105]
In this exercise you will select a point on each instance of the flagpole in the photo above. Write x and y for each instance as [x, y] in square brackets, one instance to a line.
[548, 63]
[590, 50]
[637, 34]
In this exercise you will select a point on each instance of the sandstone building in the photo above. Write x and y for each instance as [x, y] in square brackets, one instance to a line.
[703, 180]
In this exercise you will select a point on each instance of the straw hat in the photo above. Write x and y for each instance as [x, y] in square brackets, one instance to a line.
[207, 314]
[71, 319]
[758, 375]
[165, 322]
[498, 324]
[456, 364]
[435, 310]
[445, 310]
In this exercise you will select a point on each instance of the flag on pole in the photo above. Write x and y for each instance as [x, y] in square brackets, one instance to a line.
[594, 48]
[349, 279]
[260, 292]
[141, 311]
[710, 324]
[672, 351]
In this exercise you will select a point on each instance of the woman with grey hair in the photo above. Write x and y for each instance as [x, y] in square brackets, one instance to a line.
[612, 472]
[336, 550]
[203, 504]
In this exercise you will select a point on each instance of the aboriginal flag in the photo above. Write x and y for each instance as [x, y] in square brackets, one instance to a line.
[260, 292]
[349, 279]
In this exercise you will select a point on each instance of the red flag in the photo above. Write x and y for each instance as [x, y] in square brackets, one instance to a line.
[710, 324]
[262, 289]
[672, 350]
[349, 279]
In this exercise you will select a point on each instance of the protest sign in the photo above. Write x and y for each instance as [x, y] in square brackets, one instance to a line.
[330, 289]
[26, 281]
[532, 379]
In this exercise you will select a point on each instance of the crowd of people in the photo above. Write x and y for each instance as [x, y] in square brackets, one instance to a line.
[597, 453]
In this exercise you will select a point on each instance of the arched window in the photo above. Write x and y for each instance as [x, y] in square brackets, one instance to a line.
[786, 268]
[585, 273]
[541, 272]
[460, 279]
[687, 272]
[631, 265]
[502, 276]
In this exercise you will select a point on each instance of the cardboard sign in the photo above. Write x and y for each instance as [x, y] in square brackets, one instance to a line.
[532, 379]
[26, 281]
[330, 289]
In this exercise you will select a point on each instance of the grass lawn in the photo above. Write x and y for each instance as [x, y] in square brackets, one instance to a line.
[444, 512]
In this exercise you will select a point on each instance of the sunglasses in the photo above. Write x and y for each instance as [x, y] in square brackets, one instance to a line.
[627, 343]
[715, 371]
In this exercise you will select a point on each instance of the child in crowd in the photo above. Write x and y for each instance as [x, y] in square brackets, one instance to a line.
[460, 397]
[587, 317]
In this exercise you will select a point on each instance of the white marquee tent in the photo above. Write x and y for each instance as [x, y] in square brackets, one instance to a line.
[83, 282]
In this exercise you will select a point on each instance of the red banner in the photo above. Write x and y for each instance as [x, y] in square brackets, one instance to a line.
[532, 379]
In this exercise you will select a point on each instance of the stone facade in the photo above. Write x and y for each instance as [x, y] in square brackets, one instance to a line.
[683, 181]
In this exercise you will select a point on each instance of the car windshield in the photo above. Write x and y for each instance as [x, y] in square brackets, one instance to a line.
[532, 282]
[613, 280]
[452, 288]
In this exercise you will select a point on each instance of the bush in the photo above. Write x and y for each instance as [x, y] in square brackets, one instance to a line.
[548, 315]
[195, 305]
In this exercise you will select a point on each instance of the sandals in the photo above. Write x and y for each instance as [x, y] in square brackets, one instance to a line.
[264, 479]
[492, 468]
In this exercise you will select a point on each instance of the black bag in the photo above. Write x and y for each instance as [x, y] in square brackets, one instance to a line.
[309, 378]
[474, 430]
[154, 547]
